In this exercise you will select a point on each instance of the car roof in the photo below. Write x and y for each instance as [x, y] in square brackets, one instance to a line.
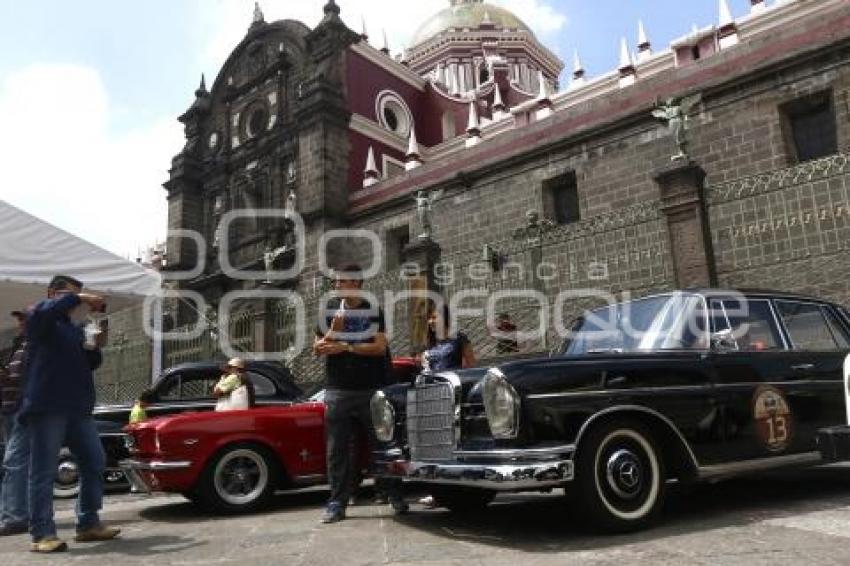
[755, 292]
[279, 373]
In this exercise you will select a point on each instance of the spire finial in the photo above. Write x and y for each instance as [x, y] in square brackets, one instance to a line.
[625, 56]
[642, 38]
[331, 8]
[412, 158]
[370, 174]
[202, 88]
[498, 104]
[644, 47]
[258, 14]
[364, 33]
[578, 70]
[386, 47]
[628, 76]
[725, 14]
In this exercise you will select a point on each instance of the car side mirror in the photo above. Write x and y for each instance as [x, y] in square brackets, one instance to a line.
[724, 341]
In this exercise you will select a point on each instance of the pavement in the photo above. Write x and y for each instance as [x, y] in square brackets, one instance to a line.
[800, 517]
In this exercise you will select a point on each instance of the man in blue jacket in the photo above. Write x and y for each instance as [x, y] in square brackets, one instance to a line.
[57, 407]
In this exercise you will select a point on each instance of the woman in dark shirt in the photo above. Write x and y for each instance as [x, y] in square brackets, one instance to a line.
[446, 350]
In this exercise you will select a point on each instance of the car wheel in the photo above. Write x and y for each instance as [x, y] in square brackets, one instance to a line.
[67, 482]
[240, 479]
[620, 476]
[462, 499]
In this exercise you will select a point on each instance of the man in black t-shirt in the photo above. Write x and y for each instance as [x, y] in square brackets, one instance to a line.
[351, 335]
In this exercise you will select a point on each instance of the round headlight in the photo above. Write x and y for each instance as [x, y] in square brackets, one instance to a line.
[501, 404]
[383, 417]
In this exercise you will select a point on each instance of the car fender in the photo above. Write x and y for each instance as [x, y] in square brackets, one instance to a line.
[683, 462]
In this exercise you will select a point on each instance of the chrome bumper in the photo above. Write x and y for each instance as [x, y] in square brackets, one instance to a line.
[514, 470]
[131, 469]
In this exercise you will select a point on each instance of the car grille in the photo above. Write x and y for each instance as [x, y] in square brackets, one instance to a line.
[430, 421]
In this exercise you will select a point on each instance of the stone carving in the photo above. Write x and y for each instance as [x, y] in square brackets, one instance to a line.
[534, 229]
[674, 113]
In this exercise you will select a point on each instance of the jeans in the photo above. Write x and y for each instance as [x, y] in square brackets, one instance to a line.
[48, 433]
[344, 412]
[14, 504]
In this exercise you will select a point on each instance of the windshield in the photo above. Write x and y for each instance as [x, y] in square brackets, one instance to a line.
[669, 322]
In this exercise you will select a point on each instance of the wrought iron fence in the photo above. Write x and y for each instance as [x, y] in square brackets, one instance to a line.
[124, 373]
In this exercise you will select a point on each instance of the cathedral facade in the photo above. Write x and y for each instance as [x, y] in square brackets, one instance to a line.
[720, 159]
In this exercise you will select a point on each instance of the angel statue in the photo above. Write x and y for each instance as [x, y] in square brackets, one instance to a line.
[675, 113]
[424, 203]
[289, 206]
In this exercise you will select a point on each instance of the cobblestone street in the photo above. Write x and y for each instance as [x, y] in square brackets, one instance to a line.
[797, 518]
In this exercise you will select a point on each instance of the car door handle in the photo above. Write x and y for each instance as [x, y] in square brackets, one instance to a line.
[803, 367]
[617, 381]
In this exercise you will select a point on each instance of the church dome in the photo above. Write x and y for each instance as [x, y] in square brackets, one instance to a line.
[467, 14]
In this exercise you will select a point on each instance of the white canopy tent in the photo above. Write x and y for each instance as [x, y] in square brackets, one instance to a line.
[33, 251]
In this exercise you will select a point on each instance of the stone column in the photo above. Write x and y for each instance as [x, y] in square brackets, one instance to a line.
[420, 260]
[682, 202]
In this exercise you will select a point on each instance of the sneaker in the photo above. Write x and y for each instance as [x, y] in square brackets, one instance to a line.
[48, 545]
[399, 505]
[97, 534]
[11, 529]
[428, 502]
[333, 514]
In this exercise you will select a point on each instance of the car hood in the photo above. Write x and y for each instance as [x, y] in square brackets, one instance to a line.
[579, 373]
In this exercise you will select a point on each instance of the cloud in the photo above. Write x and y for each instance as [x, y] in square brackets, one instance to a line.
[229, 19]
[64, 164]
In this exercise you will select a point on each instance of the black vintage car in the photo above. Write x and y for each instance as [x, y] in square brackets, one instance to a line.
[688, 386]
[186, 387]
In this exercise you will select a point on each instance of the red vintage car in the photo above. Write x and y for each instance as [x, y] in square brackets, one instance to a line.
[234, 461]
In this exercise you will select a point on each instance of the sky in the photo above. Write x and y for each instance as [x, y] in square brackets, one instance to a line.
[90, 90]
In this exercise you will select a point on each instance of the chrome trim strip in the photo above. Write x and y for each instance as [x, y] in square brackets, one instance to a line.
[609, 392]
[518, 453]
[623, 408]
[678, 388]
[718, 471]
[119, 434]
[154, 465]
[505, 477]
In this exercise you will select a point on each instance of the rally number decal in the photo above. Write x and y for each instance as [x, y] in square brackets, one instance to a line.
[774, 422]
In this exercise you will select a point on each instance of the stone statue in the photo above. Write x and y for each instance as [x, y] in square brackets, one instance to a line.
[674, 112]
[289, 207]
[424, 204]
[269, 257]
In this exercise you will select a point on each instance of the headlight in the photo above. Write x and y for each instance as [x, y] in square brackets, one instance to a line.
[501, 404]
[383, 417]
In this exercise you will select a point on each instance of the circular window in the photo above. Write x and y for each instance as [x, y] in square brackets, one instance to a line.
[393, 114]
[258, 120]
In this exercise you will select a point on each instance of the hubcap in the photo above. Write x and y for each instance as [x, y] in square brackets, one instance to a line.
[625, 474]
[241, 476]
[67, 474]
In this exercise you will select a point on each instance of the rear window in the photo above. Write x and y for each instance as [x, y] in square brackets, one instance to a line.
[808, 326]
[263, 387]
